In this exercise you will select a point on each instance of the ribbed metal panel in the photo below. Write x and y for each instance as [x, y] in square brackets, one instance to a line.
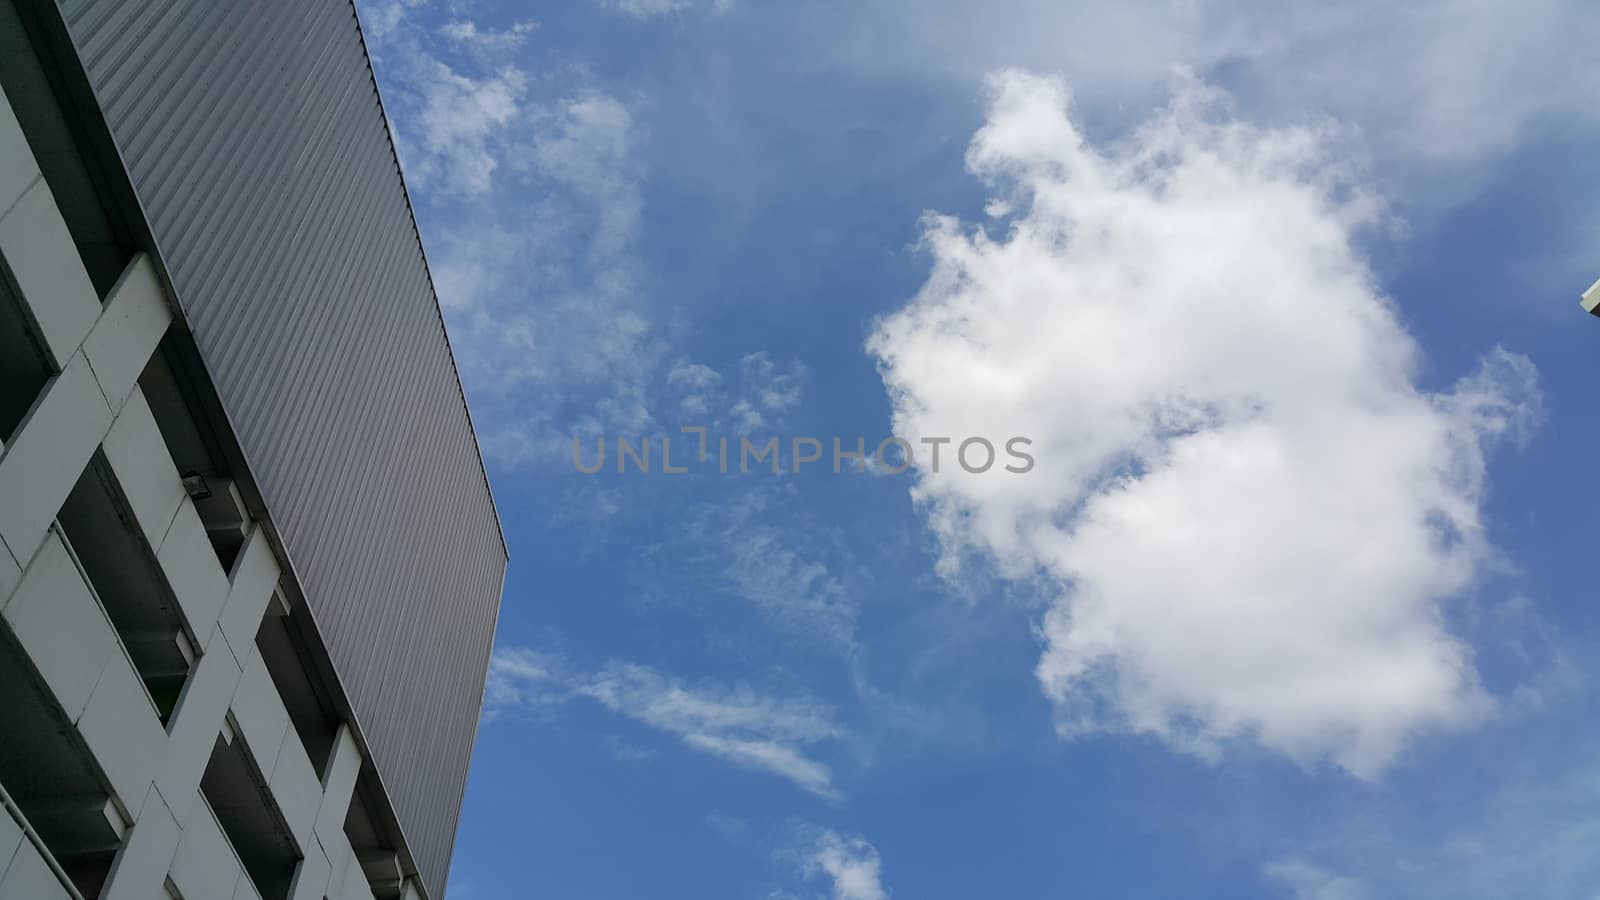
[253, 135]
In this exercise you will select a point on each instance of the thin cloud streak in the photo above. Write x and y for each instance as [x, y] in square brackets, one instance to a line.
[772, 735]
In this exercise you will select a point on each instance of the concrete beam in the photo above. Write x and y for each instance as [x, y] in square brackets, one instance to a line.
[339, 783]
[60, 625]
[43, 259]
[48, 453]
[251, 584]
[143, 467]
[136, 315]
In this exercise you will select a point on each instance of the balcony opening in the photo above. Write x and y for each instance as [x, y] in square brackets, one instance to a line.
[216, 497]
[237, 792]
[32, 77]
[374, 849]
[121, 567]
[50, 775]
[24, 368]
[289, 663]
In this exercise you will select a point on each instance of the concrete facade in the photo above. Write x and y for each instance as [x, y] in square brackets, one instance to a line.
[153, 743]
[254, 138]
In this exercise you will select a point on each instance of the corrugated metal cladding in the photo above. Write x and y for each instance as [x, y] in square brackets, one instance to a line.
[253, 134]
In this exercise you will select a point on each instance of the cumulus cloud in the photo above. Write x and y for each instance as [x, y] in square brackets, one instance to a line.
[1252, 513]
[850, 863]
[736, 724]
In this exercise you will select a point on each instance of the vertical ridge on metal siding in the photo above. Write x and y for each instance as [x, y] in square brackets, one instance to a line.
[255, 139]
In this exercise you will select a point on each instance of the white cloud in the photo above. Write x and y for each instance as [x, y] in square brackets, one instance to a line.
[460, 116]
[1253, 514]
[756, 399]
[851, 864]
[544, 301]
[1304, 881]
[467, 33]
[775, 388]
[586, 144]
[454, 116]
[1430, 81]
[737, 724]
[651, 9]
[780, 564]
[693, 376]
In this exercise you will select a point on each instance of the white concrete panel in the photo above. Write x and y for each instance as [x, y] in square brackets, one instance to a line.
[123, 731]
[136, 316]
[260, 714]
[29, 877]
[47, 454]
[355, 885]
[18, 170]
[39, 251]
[144, 469]
[338, 782]
[246, 890]
[310, 876]
[61, 626]
[296, 789]
[10, 574]
[205, 865]
[336, 847]
[254, 578]
[140, 869]
[192, 568]
[192, 732]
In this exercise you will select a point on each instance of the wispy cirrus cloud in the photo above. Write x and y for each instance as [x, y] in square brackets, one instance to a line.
[546, 302]
[755, 395]
[752, 730]
[470, 34]
[751, 547]
[1304, 881]
[655, 9]
[1392, 70]
[550, 310]
[1252, 516]
[460, 118]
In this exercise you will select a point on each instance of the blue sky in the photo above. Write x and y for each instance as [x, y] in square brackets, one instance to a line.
[1297, 598]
